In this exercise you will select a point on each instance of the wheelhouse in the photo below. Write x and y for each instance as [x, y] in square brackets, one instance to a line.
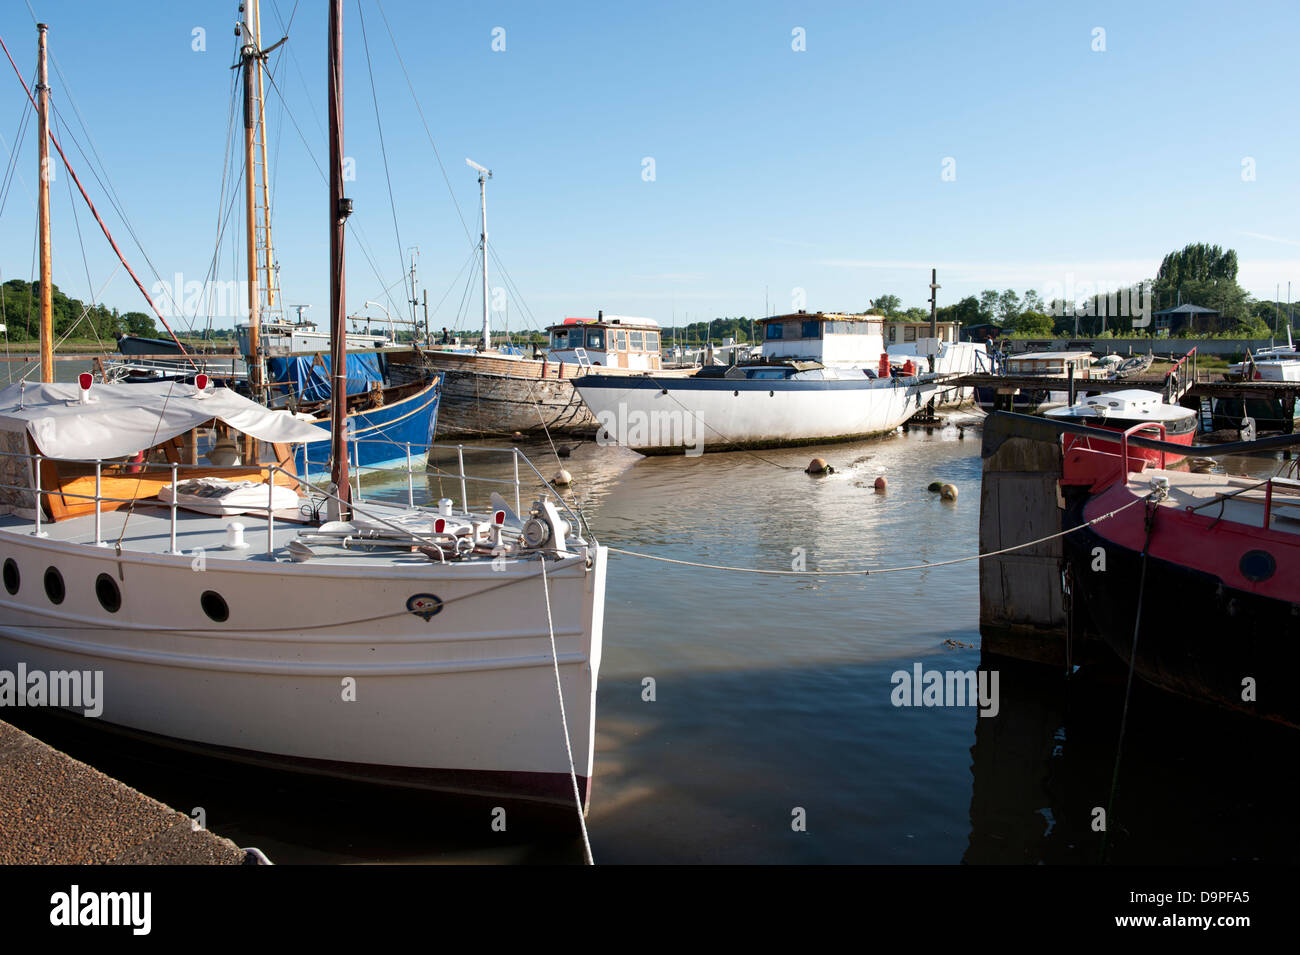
[827, 337]
[607, 341]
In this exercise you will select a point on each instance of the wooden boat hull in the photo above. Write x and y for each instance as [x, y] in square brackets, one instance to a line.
[383, 434]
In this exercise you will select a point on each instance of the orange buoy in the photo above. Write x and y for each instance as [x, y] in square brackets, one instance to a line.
[881, 485]
[818, 466]
[948, 492]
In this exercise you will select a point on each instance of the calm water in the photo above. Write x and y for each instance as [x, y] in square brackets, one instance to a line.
[774, 693]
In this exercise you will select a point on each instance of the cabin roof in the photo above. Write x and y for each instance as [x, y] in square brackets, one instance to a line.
[1050, 355]
[123, 419]
[822, 317]
[608, 321]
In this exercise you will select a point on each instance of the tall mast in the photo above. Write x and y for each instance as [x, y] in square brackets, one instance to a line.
[269, 282]
[43, 210]
[250, 60]
[483, 176]
[340, 209]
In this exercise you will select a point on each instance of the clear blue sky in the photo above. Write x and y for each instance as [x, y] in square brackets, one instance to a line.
[818, 169]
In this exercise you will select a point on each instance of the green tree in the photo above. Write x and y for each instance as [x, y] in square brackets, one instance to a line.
[989, 299]
[886, 305]
[1008, 306]
[139, 324]
[1034, 324]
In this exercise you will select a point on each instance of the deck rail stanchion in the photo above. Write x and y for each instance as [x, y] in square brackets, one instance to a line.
[175, 494]
[99, 537]
[518, 505]
[464, 492]
[36, 531]
[410, 479]
[270, 513]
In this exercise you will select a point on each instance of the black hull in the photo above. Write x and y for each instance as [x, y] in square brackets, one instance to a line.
[1198, 638]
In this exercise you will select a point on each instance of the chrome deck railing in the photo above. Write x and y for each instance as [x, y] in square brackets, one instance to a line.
[312, 491]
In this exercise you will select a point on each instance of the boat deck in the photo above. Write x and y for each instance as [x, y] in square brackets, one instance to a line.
[148, 531]
[1204, 491]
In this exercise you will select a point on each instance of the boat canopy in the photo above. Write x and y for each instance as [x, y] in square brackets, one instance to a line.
[124, 419]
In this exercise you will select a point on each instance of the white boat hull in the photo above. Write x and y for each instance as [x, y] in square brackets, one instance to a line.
[462, 701]
[693, 415]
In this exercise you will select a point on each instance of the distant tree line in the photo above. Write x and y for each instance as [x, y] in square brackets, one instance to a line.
[20, 313]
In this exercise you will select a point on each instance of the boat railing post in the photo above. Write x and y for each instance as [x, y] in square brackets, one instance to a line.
[270, 512]
[518, 508]
[464, 492]
[356, 464]
[1268, 503]
[36, 531]
[99, 537]
[410, 479]
[175, 494]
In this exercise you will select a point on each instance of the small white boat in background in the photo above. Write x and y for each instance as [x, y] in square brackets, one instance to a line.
[824, 376]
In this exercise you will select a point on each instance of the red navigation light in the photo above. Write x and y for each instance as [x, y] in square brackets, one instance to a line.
[201, 382]
[499, 517]
[85, 379]
[439, 526]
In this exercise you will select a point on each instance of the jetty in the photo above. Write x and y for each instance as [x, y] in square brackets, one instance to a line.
[55, 810]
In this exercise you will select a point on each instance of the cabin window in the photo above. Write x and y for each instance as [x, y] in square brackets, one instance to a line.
[774, 331]
[635, 341]
[12, 577]
[214, 605]
[596, 339]
[54, 588]
[621, 338]
[811, 329]
[559, 339]
[909, 333]
[652, 341]
[110, 597]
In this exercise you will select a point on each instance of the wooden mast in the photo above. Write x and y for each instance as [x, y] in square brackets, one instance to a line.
[251, 62]
[43, 210]
[340, 209]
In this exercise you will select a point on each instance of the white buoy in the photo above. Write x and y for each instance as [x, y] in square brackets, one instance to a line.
[562, 479]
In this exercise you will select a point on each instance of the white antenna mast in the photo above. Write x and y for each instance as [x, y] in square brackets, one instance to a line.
[484, 174]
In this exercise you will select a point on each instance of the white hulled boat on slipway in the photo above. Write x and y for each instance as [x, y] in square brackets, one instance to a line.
[437, 648]
[823, 377]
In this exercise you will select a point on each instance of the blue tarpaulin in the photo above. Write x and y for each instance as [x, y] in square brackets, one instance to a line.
[308, 377]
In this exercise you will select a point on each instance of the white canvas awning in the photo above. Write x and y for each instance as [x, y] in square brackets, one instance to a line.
[123, 419]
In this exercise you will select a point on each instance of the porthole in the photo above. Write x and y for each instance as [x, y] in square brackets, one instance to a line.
[110, 597]
[1257, 565]
[214, 605]
[54, 588]
[13, 579]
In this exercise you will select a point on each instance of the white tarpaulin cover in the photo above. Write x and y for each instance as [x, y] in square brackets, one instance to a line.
[123, 419]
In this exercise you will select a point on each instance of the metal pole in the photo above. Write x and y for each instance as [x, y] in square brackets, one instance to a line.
[37, 532]
[173, 513]
[99, 537]
[340, 209]
[482, 195]
[464, 493]
[410, 478]
[518, 506]
[270, 513]
[934, 315]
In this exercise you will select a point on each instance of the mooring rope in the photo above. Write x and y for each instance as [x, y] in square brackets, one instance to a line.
[564, 722]
[881, 570]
